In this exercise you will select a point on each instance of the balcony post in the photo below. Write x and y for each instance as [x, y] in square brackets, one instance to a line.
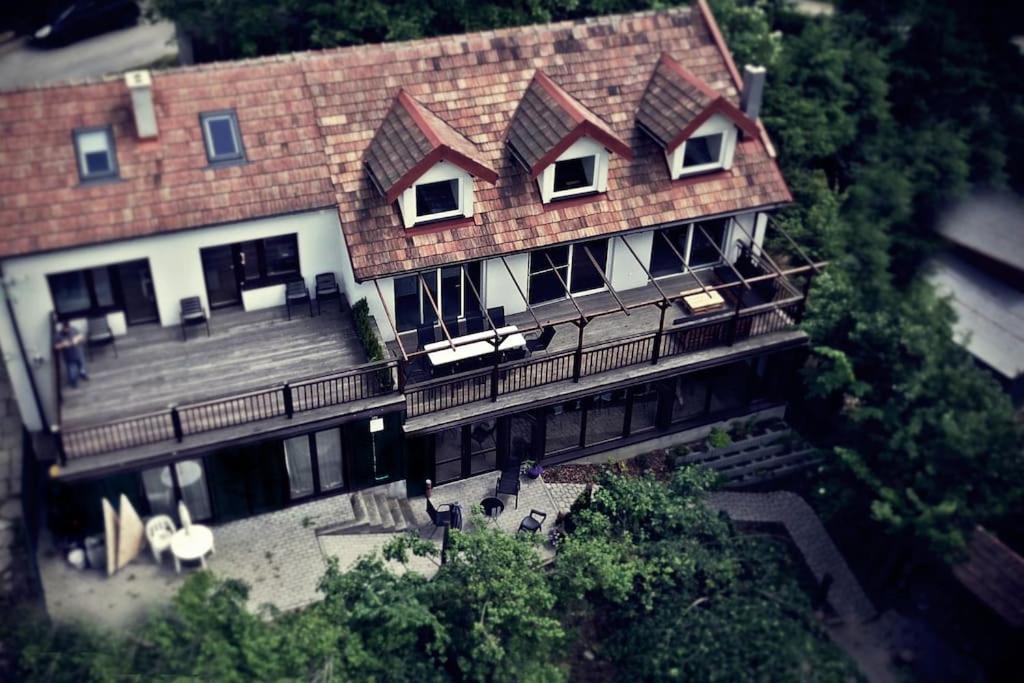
[494, 370]
[289, 405]
[179, 434]
[656, 352]
[400, 370]
[577, 359]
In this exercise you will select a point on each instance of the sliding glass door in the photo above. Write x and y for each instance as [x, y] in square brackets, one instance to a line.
[698, 245]
[552, 269]
[453, 290]
[314, 464]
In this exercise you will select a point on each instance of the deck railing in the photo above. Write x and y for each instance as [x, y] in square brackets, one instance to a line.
[383, 378]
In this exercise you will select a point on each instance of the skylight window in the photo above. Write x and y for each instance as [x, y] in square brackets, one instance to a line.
[95, 150]
[223, 139]
[437, 200]
[575, 176]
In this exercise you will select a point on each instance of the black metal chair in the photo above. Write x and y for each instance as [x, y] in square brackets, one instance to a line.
[99, 334]
[452, 325]
[533, 522]
[509, 484]
[447, 514]
[425, 335]
[327, 288]
[541, 343]
[474, 322]
[295, 293]
[497, 315]
[193, 313]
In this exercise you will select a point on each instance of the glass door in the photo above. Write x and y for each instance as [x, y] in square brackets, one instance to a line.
[137, 293]
[221, 278]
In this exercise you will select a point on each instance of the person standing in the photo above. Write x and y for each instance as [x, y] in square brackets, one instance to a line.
[69, 342]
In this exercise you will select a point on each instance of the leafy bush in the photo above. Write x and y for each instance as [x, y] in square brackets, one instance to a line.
[718, 438]
[368, 340]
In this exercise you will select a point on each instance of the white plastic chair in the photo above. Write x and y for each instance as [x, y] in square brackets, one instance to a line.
[159, 531]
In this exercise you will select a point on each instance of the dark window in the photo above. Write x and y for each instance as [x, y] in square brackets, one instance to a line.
[545, 281]
[606, 416]
[574, 174]
[407, 302]
[269, 261]
[95, 151]
[455, 297]
[703, 252]
[470, 301]
[435, 198]
[100, 290]
[281, 255]
[706, 149]
[665, 261]
[249, 256]
[563, 428]
[222, 136]
[585, 276]
[451, 292]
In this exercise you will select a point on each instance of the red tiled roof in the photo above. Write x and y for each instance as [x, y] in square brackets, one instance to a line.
[995, 574]
[410, 140]
[307, 121]
[676, 103]
[549, 120]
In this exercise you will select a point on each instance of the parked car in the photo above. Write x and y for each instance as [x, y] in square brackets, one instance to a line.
[86, 18]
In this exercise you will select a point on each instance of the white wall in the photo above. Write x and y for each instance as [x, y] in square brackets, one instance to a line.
[626, 273]
[501, 289]
[177, 272]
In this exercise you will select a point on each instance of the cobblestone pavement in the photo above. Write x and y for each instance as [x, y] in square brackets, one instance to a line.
[534, 494]
[565, 495]
[812, 540]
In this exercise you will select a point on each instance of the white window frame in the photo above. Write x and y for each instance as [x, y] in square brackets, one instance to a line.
[440, 172]
[690, 230]
[568, 271]
[584, 147]
[457, 211]
[80, 152]
[715, 125]
[424, 302]
[588, 189]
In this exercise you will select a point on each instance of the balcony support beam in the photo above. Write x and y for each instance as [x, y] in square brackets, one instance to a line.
[437, 310]
[391, 322]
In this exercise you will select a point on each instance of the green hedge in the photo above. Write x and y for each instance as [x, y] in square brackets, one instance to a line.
[368, 339]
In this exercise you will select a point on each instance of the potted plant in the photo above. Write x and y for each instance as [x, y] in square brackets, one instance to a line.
[532, 469]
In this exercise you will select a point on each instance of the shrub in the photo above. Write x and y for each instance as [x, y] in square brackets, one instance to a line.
[368, 340]
[718, 438]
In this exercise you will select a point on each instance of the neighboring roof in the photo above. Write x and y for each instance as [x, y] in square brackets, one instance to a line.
[410, 140]
[995, 574]
[549, 120]
[989, 313]
[307, 120]
[991, 225]
[676, 103]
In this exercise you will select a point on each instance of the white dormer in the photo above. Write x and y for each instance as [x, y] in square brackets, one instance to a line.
[443, 192]
[581, 169]
[709, 148]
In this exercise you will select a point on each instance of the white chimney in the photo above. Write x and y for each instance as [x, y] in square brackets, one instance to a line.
[753, 90]
[140, 84]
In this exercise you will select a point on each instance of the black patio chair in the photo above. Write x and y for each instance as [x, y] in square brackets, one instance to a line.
[193, 313]
[99, 334]
[541, 343]
[447, 514]
[425, 335]
[295, 293]
[452, 325]
[497, 315]
[327, 288]
[509, 484]
[533, 522]
[474, 322]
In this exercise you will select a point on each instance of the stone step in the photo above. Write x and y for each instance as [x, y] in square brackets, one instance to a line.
[396, 514]
[415, 511]
[387, 522]
[370, 509]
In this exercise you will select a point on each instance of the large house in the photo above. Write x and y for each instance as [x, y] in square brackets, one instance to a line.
[557, 232]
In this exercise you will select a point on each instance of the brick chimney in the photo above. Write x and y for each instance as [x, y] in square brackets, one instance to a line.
[140, 84]
[753, 90]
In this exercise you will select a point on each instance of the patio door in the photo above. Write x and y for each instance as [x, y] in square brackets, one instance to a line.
[314, 464]
[219, 265]
[137, 293]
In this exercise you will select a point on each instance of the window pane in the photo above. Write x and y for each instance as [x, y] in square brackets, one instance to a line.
[281, 255]
[542, 259]
[97, 163]
[574, 174]
[703, 252]
[451, 292]
[407, 302]
[101, 287]
[585, 276]
[705, 149]
[429, 301]
[645, 408]
[250, 256]
[192, 481]
[563, 427]
[95, 154]
[483, 446]
[664, 261]
[299, 465]
[159, 490]
[690, 397]
[546, 287]
[70, 293]
[606, 416]
[438, 197]
[328, 459]
[521, 437]
[221, 137]
[470, 301]
[448, 455]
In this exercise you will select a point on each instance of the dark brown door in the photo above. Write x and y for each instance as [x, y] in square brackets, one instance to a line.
[221, 278]
[136, 284]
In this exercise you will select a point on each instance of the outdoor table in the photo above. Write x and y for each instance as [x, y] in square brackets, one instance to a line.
[473, 346]
[492, 507]
[699, 301]
[191, 544]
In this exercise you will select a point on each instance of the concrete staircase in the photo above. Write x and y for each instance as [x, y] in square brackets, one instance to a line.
[378, 512]
[758, 458]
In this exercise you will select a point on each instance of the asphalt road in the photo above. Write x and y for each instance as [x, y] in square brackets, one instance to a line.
[22, 64]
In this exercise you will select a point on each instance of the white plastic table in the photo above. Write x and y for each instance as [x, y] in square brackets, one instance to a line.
[473, 345]
[191, 544]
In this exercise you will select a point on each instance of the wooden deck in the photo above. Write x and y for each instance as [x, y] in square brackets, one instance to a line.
[245, 351]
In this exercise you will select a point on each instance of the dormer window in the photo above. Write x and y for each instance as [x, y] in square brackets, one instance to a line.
[94, 148]
[438, 200]
[562, 144]
[702, 151]
[710, 148]
[222, 137]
